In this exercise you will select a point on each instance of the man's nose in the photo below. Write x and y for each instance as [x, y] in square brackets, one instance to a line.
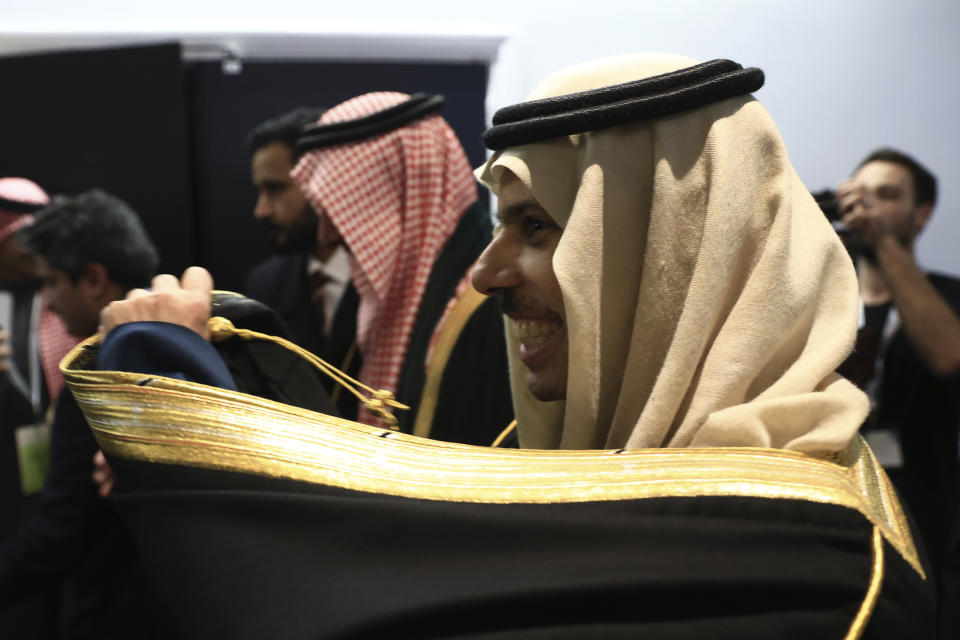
[48, 299]
[262, 209]
[496, 270]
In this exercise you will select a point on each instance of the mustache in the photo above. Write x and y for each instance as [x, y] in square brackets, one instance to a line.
[512, 303]
[267, 225]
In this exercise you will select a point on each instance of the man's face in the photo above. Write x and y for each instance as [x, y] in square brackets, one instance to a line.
[281, 207]
[888, 187]
[518, 266]
[17, 265]
[74, 302]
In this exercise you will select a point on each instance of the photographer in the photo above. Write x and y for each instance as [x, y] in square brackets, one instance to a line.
[908, 347]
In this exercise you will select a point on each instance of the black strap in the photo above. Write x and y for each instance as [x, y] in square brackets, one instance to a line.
[316, 136]
[614, 105]
[19, 206]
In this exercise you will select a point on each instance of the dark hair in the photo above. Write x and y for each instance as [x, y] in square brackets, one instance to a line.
[73, 231]
[283, 128]
[924, 182]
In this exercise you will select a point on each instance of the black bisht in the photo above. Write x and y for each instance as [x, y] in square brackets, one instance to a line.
[256, 518]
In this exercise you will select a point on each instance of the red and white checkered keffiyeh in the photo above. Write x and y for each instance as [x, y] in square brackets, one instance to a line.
[52, 336]
[21, 191]
[54, 343]
[395, 198]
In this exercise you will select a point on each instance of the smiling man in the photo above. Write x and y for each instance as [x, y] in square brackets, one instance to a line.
[525, 242]
[688, 460]
[610, 247]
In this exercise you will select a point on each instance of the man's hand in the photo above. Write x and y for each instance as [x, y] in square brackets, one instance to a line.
[862, 214]
[5, 351]
[185, 302]
[102, 475]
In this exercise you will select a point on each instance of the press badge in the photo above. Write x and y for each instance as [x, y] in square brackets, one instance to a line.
[33, 455]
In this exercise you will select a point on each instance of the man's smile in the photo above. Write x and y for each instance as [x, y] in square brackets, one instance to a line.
[534, 332]
[539, 339]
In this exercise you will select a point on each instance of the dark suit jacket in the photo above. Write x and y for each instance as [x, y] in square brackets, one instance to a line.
[75, 545]
[16, 411]
[280, 282]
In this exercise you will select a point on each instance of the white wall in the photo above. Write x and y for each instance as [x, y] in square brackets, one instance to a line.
[843, 76]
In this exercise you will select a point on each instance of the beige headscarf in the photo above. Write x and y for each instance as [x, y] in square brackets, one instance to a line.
[707, 299]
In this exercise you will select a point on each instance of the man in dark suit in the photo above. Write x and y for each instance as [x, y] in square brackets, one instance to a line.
[91, 249]
[307, 281]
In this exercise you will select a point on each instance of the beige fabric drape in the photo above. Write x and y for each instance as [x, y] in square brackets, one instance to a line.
[707, 299]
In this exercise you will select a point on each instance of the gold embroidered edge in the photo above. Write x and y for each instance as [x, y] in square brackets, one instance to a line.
[169, 421]
[463, 309]
[860, 621]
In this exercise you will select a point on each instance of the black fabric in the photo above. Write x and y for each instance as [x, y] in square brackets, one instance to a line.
[875, 315]
[270, 371]
[476, 383]
[238, 556]
[16, 410]
[264, 368]
[470, 369]
[317, 136]
[950, 595]
[19, 206]
[75, 546]
[281, 283]
[34, 612]
[635, 101]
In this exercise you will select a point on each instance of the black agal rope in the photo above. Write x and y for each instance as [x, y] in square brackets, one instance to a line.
[19, 206]
[618, 104]
[316, 136]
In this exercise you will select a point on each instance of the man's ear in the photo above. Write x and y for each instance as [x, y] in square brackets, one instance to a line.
[921, 216]
[95, 277]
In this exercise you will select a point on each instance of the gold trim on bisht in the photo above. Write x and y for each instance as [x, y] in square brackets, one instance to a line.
[457, 319]
[859, 624]
[164, 420]
[510, 428]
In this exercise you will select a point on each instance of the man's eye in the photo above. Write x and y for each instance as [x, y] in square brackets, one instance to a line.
[888, 193]
[274, 188]
[533, 226]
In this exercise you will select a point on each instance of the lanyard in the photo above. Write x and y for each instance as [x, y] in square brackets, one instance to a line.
[32, 391]
[36, 372]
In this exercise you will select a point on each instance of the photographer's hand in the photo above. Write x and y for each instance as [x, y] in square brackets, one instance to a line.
[861, 215]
